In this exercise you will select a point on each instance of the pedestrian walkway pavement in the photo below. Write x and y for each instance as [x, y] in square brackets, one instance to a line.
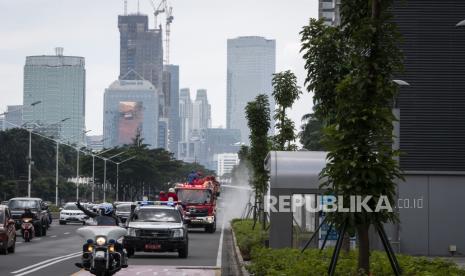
[151, 270]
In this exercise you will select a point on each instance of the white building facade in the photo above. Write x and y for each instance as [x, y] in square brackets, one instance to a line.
[226, 162]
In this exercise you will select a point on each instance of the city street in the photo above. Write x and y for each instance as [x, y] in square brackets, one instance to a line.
[56, 254]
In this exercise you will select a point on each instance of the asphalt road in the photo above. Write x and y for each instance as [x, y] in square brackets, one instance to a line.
[56, 254]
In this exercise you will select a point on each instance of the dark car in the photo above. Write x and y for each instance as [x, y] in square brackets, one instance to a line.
[157, 229]
[7, 231]
[37, 206]
[123, 211]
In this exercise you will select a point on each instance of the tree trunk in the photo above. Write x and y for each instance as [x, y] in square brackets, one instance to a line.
[363, 248]
[346, 243]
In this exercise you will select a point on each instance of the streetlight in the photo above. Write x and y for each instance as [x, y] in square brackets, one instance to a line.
[117, 174]
[56, 165]
[105, 174]
[77, 165]
[29, 158]
[93, 171]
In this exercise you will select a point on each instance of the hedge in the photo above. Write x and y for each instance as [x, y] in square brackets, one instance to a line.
[283, 262]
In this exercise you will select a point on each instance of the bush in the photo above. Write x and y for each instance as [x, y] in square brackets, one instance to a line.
[248, 238]
[288, 261]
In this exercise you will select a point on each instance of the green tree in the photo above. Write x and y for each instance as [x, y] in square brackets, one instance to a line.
[350, 70]
[311, 133]
[258, 120]
[285, 92]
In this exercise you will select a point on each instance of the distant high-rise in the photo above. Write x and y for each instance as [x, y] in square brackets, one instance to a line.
[251, 65]
[329, 11]
[13, 117]
[201, 113]
[95, 142]
[59, 83]
[226, 162]
[130, 107]
[171, 73]
[185, 114]
[141, 50]
[163, 133]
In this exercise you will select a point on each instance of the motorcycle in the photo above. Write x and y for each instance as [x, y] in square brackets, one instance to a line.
[27, 229]
[102, 254]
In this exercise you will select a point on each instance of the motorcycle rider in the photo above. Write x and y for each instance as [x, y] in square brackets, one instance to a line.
[28, 214]
[105, 217]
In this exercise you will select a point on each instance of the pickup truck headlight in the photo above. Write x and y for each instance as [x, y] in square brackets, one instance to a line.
[132, 232]
[210, 219]
[178, 233]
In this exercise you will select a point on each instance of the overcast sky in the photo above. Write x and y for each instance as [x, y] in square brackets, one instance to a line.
[200, 29]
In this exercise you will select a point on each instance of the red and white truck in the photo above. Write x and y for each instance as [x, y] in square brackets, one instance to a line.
[199, 202]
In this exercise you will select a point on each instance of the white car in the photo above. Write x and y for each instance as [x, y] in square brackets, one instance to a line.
[70, 213]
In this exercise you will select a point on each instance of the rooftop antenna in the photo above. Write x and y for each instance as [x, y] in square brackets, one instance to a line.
[138, 6]
[125, 7]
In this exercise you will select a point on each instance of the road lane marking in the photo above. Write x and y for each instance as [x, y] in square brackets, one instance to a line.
[220, 247]
[66, 233]
[49, 264]
[54, 236]
[43, 262]
[38, 239]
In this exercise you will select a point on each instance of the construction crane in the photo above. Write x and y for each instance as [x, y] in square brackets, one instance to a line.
[163, 7]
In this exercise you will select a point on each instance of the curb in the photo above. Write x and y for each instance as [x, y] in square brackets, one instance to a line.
[238, 254]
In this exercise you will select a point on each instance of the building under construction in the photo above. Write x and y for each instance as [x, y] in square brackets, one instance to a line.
[141, 49]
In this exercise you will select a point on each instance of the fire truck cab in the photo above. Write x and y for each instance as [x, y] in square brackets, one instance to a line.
[199, 203]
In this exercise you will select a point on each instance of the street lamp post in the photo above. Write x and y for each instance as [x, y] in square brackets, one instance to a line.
[56, 165]
[29, 158]
[93, 172]
[105, 174]
[117, 174]
[77, 166]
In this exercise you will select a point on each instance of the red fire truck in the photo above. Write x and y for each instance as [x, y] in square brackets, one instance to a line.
[199, 202]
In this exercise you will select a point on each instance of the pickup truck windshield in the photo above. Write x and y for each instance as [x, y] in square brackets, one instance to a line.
[22, 204]
[194, 196]
[157, 215]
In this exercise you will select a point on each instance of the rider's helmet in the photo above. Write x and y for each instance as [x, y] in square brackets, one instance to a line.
[106, 209]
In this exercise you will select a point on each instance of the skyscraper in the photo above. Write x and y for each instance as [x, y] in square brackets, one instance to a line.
[59, 82]
[201, 113]
[172, 85]
[329, 11]
[141, 50]
[185, 114]
[251, 65]
[130, 107]
[13, 116]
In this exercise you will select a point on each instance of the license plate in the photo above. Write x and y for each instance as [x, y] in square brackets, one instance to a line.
[100, 254]
[152, 246]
